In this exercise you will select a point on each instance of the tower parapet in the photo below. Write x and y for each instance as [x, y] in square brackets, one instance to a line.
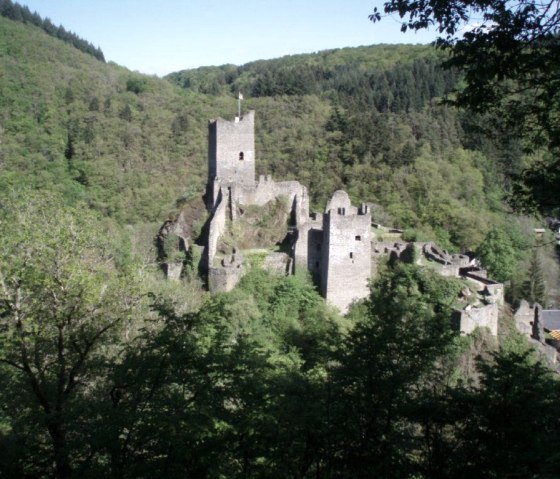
[231, 153]
[346, 255]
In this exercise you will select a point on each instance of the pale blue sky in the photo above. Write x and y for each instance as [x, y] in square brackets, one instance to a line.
[159, 37]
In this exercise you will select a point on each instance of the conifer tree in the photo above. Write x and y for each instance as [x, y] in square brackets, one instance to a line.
[535, 286]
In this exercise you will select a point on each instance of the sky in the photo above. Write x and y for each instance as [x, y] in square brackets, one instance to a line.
[160, 37]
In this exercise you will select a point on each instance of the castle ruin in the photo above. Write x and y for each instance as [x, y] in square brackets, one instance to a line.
[335, 247]
[340, 247]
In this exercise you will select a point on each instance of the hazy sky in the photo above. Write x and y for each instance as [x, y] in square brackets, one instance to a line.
[158, 37]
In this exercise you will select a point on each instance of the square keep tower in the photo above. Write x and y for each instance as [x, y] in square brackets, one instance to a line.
[231, 150]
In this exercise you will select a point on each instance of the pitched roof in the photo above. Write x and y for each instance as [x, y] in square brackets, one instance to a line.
[551, 319]
[555, 335]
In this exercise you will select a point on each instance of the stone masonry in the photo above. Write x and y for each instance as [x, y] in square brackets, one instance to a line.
[346, 258]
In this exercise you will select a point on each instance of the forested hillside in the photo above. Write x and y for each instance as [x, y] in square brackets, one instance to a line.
[107, 370]
[117, 139]
[383, 135]
[92, 131]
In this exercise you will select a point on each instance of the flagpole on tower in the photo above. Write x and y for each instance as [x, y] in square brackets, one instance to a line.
[239, 98]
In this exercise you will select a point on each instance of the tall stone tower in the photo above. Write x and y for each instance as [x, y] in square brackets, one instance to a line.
[231, 153]
[346, 255]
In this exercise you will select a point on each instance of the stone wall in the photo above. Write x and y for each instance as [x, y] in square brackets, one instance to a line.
[527, 323]
[472, 317]
[493, 290]
[524, 317]
[309, 243]
[385, 248]
[231, 151]
[173, 270]
[224, 278]
[217, 226]
[266, 190]
[278, 263]
[449, 264]
[346, 254]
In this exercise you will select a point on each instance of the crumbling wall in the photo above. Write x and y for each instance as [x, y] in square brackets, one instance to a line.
[524, 317]
[528, 320]
[217, 226]
[472, 317]
[267, 190]
[448, 264]
[224, 278]
[309, 244]
[385, 248]
[173, 270]
[278, 263]
[492, 290]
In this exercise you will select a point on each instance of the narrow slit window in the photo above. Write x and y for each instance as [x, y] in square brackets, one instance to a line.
[351, 255]
[241, 156]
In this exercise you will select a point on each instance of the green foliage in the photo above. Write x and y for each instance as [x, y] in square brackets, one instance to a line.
[497, 254]
[62, 130]
[512, 404]
[192, 262]
[267, 380]
[394, 355]
[136, 84]
[63, 306]
[370, 123]
[535, 288]
[264, 381]
[173, 249]
[510, 65]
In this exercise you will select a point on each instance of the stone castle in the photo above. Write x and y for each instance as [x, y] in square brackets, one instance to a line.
[340, 247]
[335, 247]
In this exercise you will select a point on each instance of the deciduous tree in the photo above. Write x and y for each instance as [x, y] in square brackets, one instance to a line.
[61, 308]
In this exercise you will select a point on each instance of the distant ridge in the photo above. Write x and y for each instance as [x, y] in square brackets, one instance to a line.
[14, 11]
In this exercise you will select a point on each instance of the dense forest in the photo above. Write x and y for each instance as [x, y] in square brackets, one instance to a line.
[108, 370]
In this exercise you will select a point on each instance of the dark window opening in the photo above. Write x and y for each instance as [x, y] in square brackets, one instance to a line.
[351, 255]
[358, 238]
[241, 156]
[318, 246]
[316, 264]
